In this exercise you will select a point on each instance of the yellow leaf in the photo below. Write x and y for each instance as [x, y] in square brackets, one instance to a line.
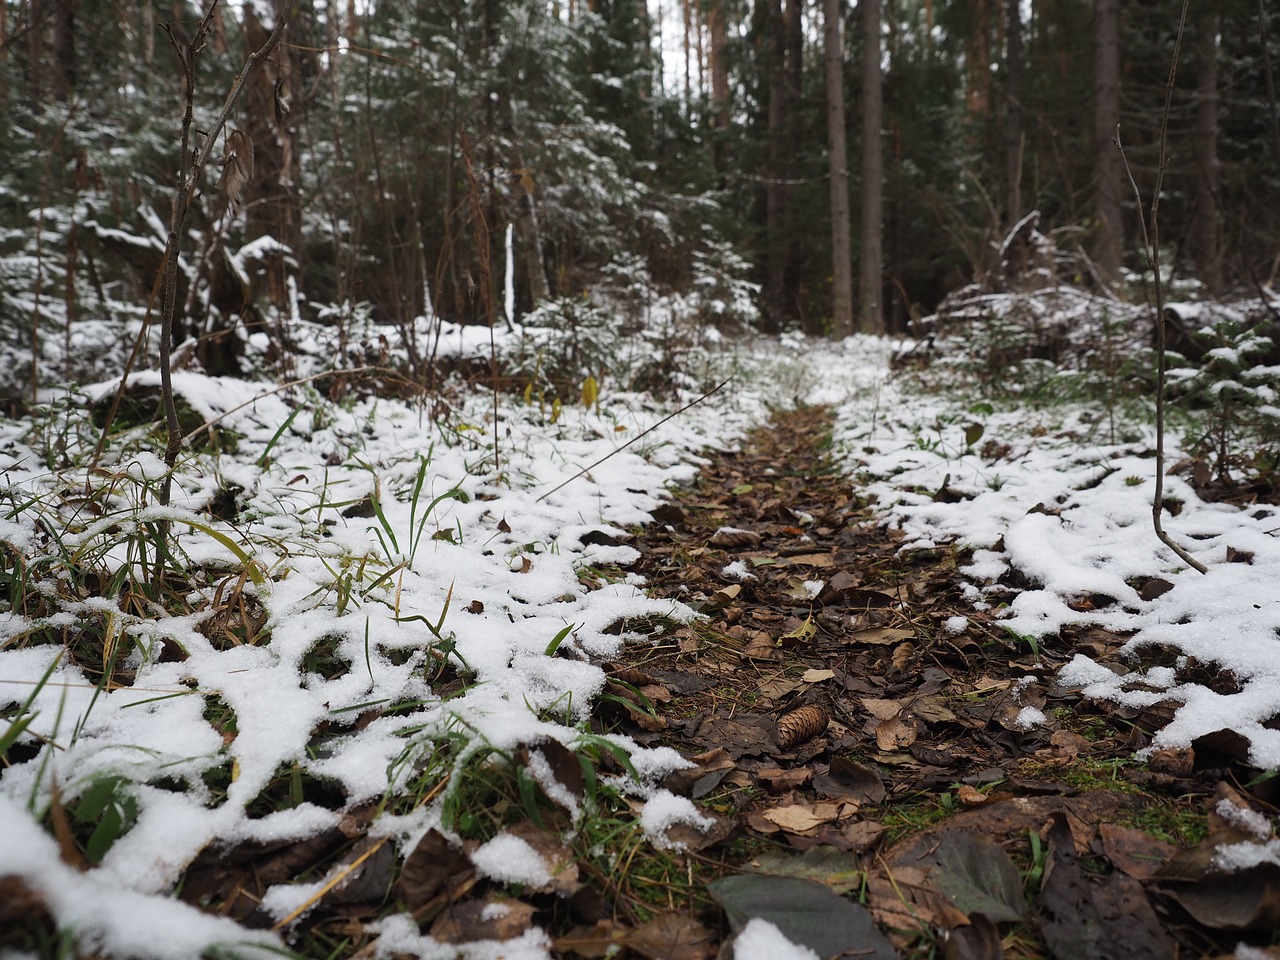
[590, 392]
[805, 631]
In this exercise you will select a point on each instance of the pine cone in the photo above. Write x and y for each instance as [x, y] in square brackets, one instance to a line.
[802, 724]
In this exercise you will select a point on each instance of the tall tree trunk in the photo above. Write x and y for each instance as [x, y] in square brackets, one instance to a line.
[1013, 114]
[34, 20]
[775, 188]
[871, 247]
[64, 50]
[978, 61]
[720, 106]
[794, 80]
[273, 203]
[1109, 245]
[841, 254]
[1206, 232]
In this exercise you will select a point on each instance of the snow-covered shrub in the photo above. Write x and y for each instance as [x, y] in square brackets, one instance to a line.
[562, 343]
[722, 295]
[1232, 393]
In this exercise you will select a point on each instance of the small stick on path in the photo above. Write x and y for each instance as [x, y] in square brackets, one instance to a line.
[640, 436]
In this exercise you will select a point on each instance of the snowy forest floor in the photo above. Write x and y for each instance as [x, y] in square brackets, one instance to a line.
[853, 656]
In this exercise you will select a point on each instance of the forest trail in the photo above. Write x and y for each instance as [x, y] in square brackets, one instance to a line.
[856, 722]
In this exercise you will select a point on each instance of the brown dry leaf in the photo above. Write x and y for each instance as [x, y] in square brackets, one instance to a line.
[592, 943]
[432, 866]
[709, 769]
[673, 936]
[761, 647]
[779, 780]
[743, 733]
[814, 675]
[837, 589]
[882, 636]
[971, 796]
[881, 709]
[1136, 853]
[733, 538]
[761, 824]
[867, 600]
[552, 759]
[901, 900]
[980, 940]
[492, 918]
[799, 817]
[808, 560]
[987, 684]
[797, 589]
[237, 166]
[780, 688]
[932, 710]
[850, 781]
[1179, 761]
[724, 596]
[1103, 916]
[896, 733]
[864, 834]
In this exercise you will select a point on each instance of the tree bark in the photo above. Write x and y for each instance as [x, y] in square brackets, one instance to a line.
[794, 79]
[720, 106]
[34, 20]
[274, 207]
[1206, 228]
[775, 188]
[1013, 114]
[64, 50]
[1109, 244]
[838, 165]
[871, 248]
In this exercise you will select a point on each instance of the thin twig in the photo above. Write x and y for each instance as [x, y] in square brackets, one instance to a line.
[254, 399]
[692, 403]
[1151, 239]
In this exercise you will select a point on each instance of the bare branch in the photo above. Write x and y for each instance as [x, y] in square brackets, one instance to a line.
[1151, 240]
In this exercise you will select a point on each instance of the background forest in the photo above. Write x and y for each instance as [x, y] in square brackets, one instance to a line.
[621, 148]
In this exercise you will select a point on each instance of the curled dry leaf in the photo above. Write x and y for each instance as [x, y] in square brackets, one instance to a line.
[237, 166]
[732, 538]
[801, 725]
[724, 596]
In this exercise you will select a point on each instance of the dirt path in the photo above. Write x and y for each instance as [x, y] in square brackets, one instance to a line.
[856, 722]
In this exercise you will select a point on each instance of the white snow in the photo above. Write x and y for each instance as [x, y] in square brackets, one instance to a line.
[761, 940]
[1029, 717]
[665, 810]
[511, 859]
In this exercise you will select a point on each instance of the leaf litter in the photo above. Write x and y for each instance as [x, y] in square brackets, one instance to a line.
[1026, 792]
